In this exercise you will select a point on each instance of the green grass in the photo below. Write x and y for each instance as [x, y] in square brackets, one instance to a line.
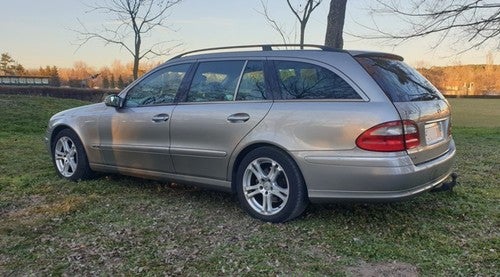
[120, 225]
[475, 112]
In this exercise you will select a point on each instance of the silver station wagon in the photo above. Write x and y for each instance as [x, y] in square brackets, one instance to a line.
[278, 126]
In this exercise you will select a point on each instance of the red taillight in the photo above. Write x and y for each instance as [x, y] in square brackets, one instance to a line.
[390, 137]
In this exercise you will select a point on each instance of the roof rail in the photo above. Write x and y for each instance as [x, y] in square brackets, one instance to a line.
[264, 47]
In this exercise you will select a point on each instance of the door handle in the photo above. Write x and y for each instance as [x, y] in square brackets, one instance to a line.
[160, 117]
[238, 118]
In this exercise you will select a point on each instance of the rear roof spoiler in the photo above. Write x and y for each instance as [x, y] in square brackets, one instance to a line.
[363, 54]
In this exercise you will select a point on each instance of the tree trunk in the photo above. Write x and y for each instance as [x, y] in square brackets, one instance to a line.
[135, 70]
[335, 25]
[137, 54]
[302, 34]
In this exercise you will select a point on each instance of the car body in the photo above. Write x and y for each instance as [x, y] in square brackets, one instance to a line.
[277, 127]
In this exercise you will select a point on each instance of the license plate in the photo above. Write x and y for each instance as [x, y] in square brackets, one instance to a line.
[434, 132]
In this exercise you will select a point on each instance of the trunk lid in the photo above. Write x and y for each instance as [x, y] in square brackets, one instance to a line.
[415, 99]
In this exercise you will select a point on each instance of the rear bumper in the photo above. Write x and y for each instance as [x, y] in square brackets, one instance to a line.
[382, 177]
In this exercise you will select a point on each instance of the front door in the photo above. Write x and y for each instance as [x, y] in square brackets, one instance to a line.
[137, 136]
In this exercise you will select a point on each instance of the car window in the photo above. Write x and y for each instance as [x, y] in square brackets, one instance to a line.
[400, 82]
[299, 80]
[158, 88]
[215, 81]
[252, 86]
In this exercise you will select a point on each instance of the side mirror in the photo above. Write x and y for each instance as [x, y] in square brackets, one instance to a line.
[113, 100]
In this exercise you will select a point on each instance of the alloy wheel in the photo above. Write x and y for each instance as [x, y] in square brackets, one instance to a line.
[265, 186]
[66, 156]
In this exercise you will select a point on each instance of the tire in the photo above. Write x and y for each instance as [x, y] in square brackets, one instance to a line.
[69, 156]
[270, 186]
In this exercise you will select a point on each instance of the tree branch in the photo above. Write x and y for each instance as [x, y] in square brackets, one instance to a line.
[273, 23]
[136, 18]
[474, 22]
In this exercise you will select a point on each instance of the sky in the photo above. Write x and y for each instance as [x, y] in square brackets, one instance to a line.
[39, 33]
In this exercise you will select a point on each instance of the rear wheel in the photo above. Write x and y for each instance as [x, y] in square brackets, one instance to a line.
[69, 157]
[270, 186]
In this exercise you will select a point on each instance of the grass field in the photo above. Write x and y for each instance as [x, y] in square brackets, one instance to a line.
[127, 226]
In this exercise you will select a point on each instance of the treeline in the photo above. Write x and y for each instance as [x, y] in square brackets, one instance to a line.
[81, 75]
[117, 75]
[465, 79]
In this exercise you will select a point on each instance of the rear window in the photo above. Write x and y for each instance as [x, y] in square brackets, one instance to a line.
[399, 81]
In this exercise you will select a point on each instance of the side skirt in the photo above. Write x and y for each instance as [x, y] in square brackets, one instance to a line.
[221, 185]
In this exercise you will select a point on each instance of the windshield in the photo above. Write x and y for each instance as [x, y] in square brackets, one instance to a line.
[399, 81]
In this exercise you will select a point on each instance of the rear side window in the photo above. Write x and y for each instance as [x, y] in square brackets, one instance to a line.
[215, 81]
[252, 85]
[400, 82]
[299, 80]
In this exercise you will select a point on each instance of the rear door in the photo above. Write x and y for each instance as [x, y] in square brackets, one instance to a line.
[225, 101]
[416, 99]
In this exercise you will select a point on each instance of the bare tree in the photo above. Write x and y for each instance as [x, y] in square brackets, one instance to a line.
[335, 24]
[472, 23]
[137, 18]
[302, 12]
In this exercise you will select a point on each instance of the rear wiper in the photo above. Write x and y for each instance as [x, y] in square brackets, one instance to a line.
[424, 97]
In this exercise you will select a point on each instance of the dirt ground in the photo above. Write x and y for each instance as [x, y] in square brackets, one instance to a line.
[394, 269]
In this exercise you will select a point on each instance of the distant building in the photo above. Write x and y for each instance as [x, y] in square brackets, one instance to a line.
[465, 89]
[24, 80]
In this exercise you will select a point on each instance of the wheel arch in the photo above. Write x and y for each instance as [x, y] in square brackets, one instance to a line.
[247, 149]
[56, 130]
[81, 170]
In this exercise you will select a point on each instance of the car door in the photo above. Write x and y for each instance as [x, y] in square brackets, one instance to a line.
[137, 136]
[225, 100]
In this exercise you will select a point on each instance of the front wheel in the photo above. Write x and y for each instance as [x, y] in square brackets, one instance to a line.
[270, 186]
[69, 157]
